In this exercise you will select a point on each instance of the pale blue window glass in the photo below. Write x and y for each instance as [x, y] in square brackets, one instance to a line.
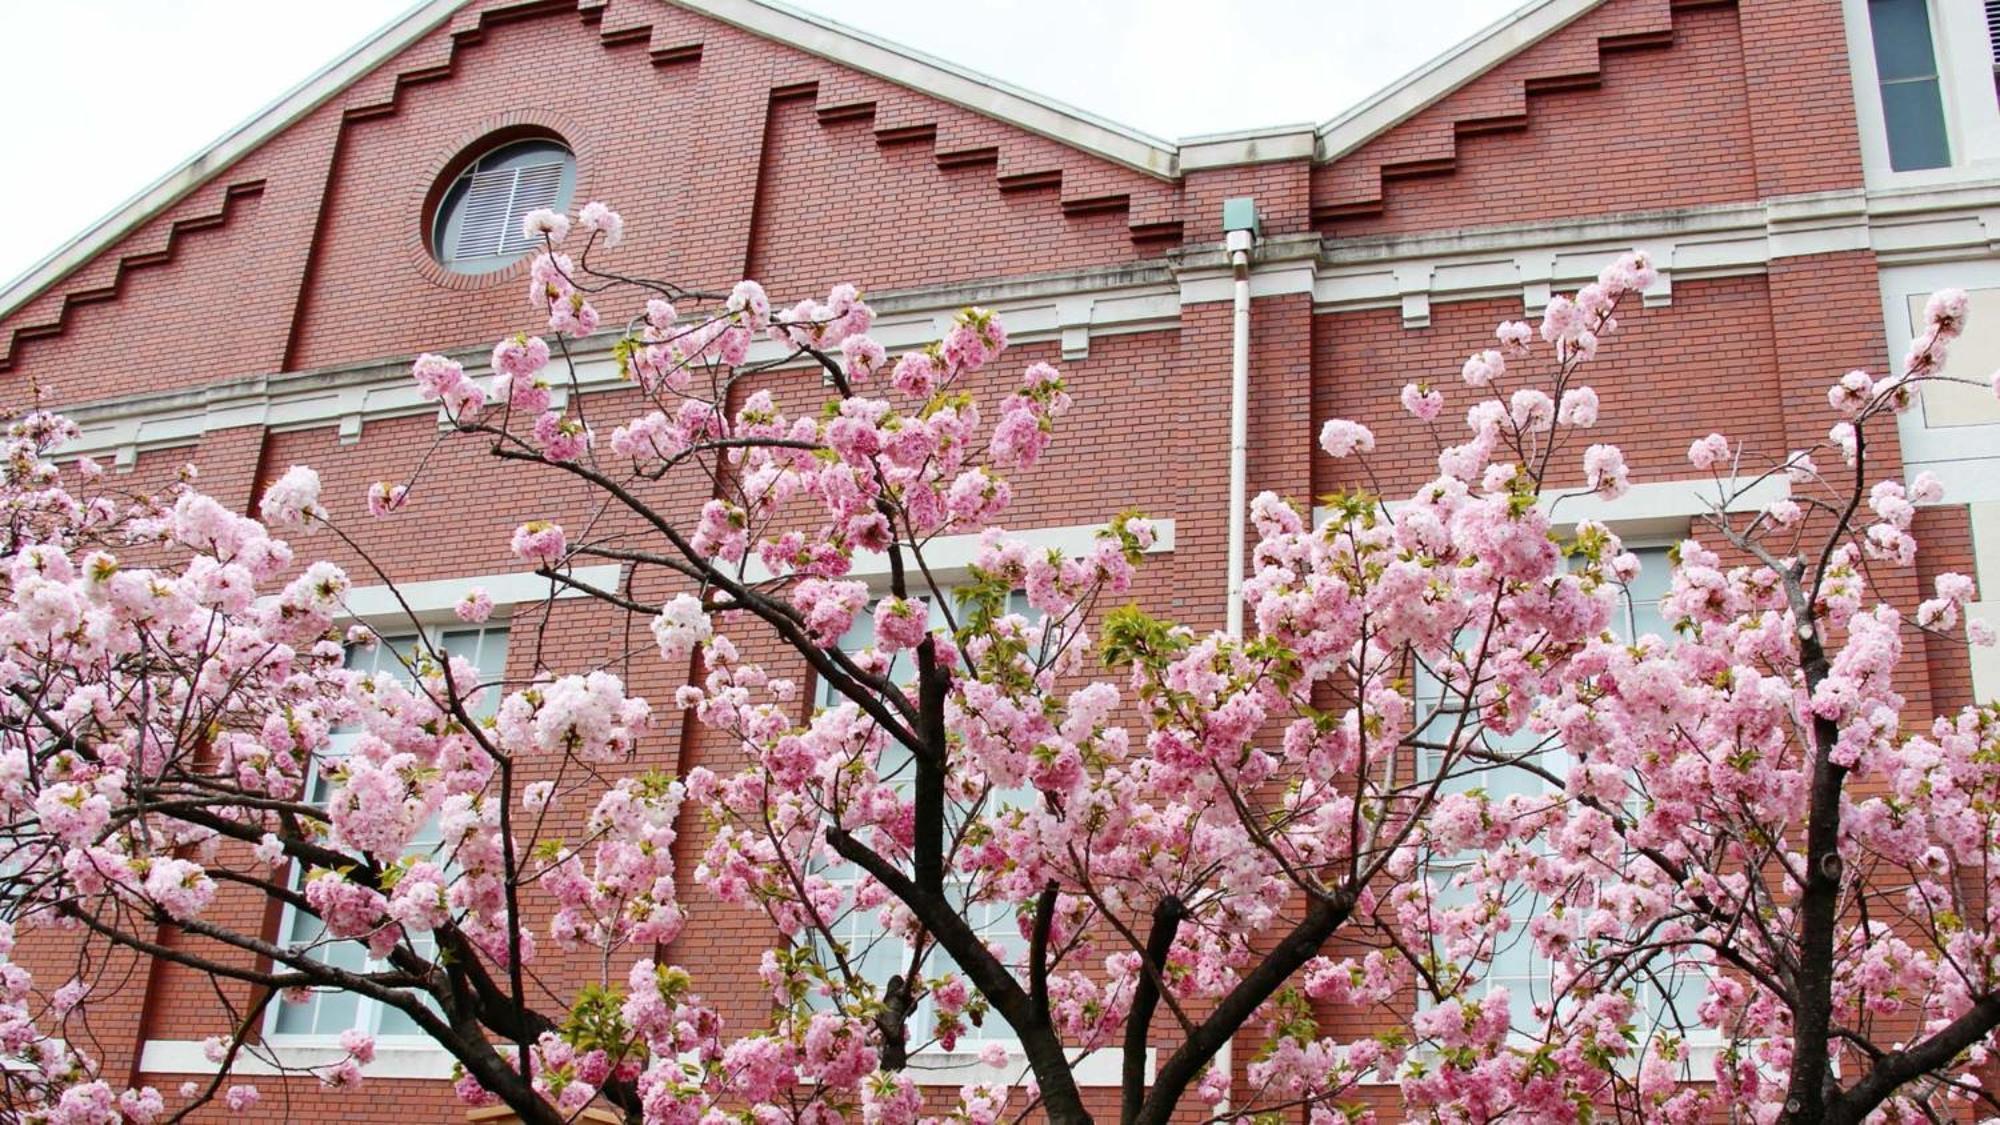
[330, 1013]
[1912, 96]
[1670, 998]
[876, 954]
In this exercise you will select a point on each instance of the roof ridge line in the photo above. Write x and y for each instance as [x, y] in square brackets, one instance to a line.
[950, 82]
[960, 69]
[1434, 80]
[234, 143]
[899, 65]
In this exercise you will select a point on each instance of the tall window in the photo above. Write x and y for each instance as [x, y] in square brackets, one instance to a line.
[326, 1014]
[1912, 96]
[1516, 964]
[875, 953]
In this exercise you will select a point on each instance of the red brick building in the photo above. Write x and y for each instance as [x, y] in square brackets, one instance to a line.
[1792, 166]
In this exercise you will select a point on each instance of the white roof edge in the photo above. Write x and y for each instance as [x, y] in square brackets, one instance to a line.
[1255, 133]
[977, 92]
[226, 150]
[1424, 86]
[980, 93]
[1246, 146]
[903, 66]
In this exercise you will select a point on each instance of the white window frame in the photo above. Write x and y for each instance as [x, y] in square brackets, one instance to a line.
[1965, 86]
[857, 931]
[930, 1064]
[1701, 1043]
[507, 241]
[1966, 458]
[389, 610]
[368, 1012]
[948, 558]
[1653, 512]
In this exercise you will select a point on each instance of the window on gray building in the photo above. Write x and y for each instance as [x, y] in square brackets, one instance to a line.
[1912, 97]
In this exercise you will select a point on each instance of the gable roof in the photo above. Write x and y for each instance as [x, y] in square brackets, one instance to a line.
[945, 81]
[861, 51]
[226, 150]
[1475, 55]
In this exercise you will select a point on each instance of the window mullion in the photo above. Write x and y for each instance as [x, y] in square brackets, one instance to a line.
[507, 216]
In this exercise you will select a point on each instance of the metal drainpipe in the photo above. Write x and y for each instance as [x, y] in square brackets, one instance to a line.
[1239, 220]
[1239, 424]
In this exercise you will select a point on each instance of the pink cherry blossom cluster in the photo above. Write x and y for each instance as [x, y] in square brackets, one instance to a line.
[1508, 616]
[1437, 749]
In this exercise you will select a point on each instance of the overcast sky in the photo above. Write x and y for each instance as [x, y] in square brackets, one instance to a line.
[108, 95]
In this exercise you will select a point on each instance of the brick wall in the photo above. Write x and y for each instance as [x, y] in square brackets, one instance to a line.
[728, 153]
[1660, 390]
[1559, 131]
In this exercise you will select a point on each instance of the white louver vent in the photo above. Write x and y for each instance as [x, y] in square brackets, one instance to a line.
[486, 202]
[534, 188]
[1993, 30]
[495, 204]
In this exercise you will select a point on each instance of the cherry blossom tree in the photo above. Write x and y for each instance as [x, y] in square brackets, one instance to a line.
[1747, 882]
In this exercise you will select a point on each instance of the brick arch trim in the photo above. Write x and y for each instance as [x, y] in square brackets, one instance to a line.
[421, 194]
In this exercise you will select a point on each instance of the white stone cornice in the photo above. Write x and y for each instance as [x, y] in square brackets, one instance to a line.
[1072, 309]
[1254, 146]
[948, 557]
[1531, 261]
[1660, 510]
[1951, 222]
[1487, 48]
[979, 93]
[226, 150]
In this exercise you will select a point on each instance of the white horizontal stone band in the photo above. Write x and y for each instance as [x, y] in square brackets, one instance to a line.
[1657, 508]
[1071, 310]
[1703, 1046]
[416, 1059]
[436, 598]
[1663, 507]
[1407, 272]
[948, 556]
[427, 1060]
[1098, 1069]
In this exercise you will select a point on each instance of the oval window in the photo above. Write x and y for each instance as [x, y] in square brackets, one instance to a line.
[477, 225]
